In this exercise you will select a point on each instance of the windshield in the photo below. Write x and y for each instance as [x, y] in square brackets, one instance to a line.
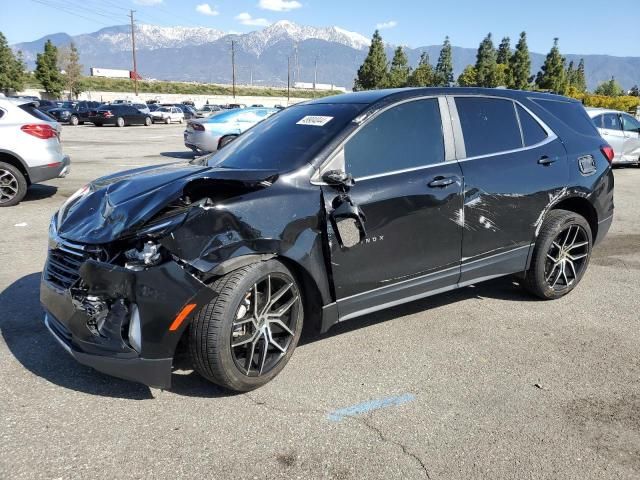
[67, 104]
[163, 109]
[287, 140]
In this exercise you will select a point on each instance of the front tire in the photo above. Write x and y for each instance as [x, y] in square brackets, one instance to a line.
[147, 122]
[167, 120]
[560, 256]
[74, 121]
[13, 185]
[247, 334]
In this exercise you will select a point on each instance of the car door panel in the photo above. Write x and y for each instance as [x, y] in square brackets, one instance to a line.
[631, 130]
[413, 233]
[613, 134]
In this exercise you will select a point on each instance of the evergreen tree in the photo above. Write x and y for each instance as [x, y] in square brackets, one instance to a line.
[520, 65]
[373, 72]
[47, 70]
[609, 89]
[11, 68]
[69, 61]
[468, 77]
[444, 67]
[579, 78]
[486, 65]
[502, 58]
[423, 75]
[552, 76]
[400, 70]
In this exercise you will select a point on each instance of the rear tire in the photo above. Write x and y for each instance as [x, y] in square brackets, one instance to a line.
[228, 346]
[147, 122]
[120, 122]
[13, 185]
[167, 120]
[560, 256]
[74, 121]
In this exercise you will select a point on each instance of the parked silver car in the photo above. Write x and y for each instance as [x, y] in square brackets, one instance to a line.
[621, 131]
[30, 149]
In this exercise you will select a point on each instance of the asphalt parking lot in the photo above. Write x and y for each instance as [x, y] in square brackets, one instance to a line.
[484, 382]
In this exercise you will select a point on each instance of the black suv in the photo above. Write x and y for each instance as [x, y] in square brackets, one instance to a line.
[74, 113]
[120, 115]
[328, 210]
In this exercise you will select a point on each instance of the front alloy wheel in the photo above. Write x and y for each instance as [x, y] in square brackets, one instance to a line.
[247, 334]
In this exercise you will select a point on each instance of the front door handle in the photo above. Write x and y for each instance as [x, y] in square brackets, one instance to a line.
[440, 182]
[544, 160]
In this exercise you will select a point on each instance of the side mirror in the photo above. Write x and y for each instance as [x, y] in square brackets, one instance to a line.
[347, 221]
[338, 179]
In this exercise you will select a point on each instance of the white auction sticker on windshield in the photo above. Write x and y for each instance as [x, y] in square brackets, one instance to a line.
[314, 120]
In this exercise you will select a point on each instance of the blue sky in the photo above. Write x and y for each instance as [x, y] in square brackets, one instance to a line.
[584, 26]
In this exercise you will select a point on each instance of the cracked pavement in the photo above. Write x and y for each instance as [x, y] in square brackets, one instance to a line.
[471, 358]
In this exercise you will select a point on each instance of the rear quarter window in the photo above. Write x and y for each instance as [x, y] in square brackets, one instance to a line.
[31, 109]
[571, 114]
[532, 131]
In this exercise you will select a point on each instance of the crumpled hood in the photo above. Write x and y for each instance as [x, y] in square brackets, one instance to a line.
[116, 205]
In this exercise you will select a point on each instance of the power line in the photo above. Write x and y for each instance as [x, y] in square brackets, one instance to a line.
[70, 12]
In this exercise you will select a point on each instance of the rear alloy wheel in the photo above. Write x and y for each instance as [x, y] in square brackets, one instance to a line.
[74, 121]
[147, 121]
[13, 185]
[120, 122]
[247, 334]
[561, 255]
[167, 120]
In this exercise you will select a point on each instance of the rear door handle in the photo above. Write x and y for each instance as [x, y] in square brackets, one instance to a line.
[440, 182]
[544, 160]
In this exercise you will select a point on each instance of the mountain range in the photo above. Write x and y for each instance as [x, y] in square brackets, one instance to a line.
[204, 55]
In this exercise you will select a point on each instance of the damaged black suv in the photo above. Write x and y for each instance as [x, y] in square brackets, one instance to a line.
[326, 211]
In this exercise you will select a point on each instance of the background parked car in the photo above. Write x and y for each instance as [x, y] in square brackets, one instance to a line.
[74, 113]
[211, 134]
[120, 115]
[167, 115]
[45, 105]
[30, 150]
[208, 110]
[143, 107]
[621, 131]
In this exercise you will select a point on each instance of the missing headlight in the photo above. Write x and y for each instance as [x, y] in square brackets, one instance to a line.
[148, 256]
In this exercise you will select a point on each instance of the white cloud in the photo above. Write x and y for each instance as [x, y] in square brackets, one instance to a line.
[246, 19]
[279, 5]
[147, 3]
[205, 9]
[389, 24]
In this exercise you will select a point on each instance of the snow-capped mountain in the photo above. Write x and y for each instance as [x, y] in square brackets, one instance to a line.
[151, 37]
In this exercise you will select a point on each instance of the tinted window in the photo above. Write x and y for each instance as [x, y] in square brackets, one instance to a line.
[31, 109]
[597, 121]
[285, 142]
[630, 124]
[406, 136]
[571, 114]
[611, 121]
[489, 125]
[532, 131]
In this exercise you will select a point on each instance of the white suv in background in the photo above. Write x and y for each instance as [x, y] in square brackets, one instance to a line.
[167, 115]
[621, 131]
[30, 150]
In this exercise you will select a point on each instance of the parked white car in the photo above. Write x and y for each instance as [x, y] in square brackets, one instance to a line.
[167, 115]
[621, 131]
[30, 149]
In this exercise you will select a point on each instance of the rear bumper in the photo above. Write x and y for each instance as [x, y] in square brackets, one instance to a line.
[154, 372]
[47, 172]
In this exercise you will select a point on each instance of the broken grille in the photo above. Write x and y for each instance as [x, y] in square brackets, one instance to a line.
[63, 264]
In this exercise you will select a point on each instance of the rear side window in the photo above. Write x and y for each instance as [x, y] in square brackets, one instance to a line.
[489, 125]
[34, 112]
[597, 121]
[572, 114]
[405, 136]
[532, 131]
[611, 121]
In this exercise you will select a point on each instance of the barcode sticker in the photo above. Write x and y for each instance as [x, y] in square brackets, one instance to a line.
[314, 120]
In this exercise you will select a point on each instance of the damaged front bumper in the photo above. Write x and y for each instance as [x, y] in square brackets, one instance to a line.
[119, 321]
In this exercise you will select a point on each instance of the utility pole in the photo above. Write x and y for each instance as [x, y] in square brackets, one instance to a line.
[315, 75]
[288, 78]
[233, 67]
[133, 50]
[251, 75]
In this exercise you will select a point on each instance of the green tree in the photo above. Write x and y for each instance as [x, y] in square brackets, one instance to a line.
[11, 68]
[69, 62]
[47, 71]
[400, 70]
[502, 59]
[468, 77]
[610, 88]
[552, 76]
[486, 64]
[373, 71]
[423, 75]
[579, 81]
[444, 67]
[520, 65]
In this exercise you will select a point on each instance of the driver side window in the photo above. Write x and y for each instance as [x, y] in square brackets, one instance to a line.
[406, 136]
[630, 124]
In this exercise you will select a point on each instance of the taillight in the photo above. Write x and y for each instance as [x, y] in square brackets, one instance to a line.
[197, 126]
[107, 114]
[40, 130]
[607, 151]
